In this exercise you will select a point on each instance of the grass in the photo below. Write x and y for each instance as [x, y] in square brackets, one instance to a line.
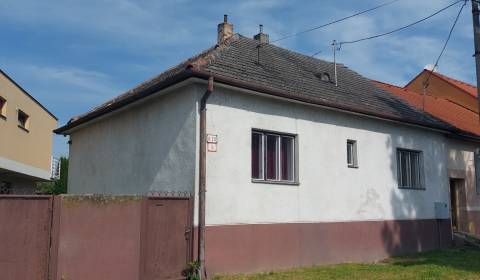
[458, 263]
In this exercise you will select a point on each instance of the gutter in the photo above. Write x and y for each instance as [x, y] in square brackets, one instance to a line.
[202, 189]
[465, 137]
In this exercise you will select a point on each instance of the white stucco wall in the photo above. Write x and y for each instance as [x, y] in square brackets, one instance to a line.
[328, 189]
[147, 147]
[461, 155]
[153, 146]
[461, 165]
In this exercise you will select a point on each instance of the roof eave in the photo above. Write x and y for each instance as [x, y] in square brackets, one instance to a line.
[465, 136]
[182, 75]
[195, 72]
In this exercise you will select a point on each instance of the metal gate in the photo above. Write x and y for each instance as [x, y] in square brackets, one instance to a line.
[167, 235]
[25, 224]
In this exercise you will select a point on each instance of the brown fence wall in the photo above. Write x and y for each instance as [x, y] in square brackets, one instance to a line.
[24, 237]
[99, 238]
[93, 237]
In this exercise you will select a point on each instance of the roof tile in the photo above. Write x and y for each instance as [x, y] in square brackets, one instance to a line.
[444, 109]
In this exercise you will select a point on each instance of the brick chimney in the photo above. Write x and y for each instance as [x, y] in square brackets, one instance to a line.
[262, 37]
[224, 30]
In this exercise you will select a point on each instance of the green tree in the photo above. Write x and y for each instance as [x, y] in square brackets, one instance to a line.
[57, 186]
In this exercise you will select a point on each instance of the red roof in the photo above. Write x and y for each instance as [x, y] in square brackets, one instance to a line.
[446, 110]
[466, 87]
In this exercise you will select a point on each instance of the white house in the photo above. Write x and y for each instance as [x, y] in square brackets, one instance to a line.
[299, 171]
[463, 155]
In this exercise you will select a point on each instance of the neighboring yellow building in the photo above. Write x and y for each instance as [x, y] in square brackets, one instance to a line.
[25, 139]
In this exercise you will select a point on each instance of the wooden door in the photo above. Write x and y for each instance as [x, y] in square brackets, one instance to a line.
[454, 204]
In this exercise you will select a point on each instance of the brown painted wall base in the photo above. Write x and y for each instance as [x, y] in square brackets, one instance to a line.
[470, 222]
[265, 247]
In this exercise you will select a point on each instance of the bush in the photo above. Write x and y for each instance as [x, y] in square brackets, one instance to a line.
[57, 186]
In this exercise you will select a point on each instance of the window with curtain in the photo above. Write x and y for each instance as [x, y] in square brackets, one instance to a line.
[273, 156]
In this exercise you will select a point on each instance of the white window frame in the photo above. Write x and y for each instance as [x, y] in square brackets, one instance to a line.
[262, 156]
[420, 167]
[354, 155]
[264, 159]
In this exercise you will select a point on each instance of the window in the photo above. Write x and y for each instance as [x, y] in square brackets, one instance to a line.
[352, 160]
[409, 169]
[3, 107]
[477, 169]
[325, 77]
[5, 188]
[273, 157]
[23, 119]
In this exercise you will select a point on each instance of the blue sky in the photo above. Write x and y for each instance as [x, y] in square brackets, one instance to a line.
[74, 55]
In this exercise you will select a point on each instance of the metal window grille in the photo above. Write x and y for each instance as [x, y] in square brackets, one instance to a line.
[409, 169]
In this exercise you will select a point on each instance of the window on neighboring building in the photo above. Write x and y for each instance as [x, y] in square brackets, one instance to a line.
[5, 188]
[352, 160]
[409, 169]
[477, 169]
[273, 156]
[23, 119]
[3, 107]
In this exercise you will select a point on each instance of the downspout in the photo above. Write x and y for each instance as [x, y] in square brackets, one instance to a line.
[202, 180]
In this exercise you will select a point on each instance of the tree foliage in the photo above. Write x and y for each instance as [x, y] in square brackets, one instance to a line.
[56, 186]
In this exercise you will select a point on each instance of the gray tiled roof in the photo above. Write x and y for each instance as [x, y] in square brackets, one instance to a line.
[242, 61]
[297, 74]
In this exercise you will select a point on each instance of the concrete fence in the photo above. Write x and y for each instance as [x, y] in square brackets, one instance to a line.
[94, 237]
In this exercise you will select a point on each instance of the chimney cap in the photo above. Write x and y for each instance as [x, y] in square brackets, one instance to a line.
[261, 37]
[224, 30]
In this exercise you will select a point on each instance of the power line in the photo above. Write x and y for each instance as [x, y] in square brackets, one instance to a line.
[333, 22]
[316, 53]
[403, 27]
[445, 45]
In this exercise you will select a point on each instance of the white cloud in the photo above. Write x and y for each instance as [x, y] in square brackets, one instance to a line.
[66, 84]
[87, 80]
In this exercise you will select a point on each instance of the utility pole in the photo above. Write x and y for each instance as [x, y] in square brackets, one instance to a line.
[476, 39]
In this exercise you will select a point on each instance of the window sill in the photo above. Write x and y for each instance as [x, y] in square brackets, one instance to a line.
[3, 117]
[413, 189]
[276, 182]
[23, 128]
